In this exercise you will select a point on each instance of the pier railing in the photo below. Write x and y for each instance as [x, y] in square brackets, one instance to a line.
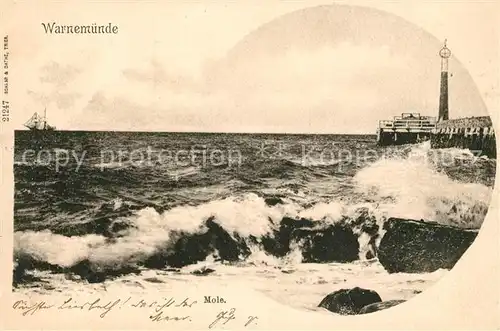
[426, 124]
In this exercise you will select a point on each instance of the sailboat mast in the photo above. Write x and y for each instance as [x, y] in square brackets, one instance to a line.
[37, 122]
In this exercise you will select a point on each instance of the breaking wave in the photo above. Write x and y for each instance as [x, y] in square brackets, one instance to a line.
[418, 190]
[255, 228]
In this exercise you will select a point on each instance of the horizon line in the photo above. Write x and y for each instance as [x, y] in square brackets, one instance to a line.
[205, 132]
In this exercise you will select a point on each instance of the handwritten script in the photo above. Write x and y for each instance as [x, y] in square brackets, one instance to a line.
[167, 309]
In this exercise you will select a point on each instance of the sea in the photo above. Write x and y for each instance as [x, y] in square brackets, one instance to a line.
[72, 188]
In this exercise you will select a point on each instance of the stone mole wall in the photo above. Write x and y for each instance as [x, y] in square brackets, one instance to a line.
[475, 134]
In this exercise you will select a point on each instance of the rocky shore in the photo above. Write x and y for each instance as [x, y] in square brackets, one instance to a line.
[408, 246]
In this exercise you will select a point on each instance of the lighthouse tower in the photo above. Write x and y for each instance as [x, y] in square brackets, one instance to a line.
[445, 53]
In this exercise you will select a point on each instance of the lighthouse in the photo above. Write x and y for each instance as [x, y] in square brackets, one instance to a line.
[445, 54]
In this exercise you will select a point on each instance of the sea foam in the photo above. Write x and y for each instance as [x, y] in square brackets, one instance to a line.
[406, 186]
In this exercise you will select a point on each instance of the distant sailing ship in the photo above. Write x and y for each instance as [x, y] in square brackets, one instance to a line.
[39, 123]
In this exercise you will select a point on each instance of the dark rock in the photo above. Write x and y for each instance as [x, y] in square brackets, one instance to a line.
[188, 249]
[153, 280]
[349, 302]
[334, 243]
[23, 263]
[22, 277]
[417, 246]
[278, 243]
[172, 269]
[372, 247]
[95, 273]
[364, 221]
[371, 308]
[203, 271]
[229, 248]
[319, 242]
[87, 270]
[192, 248]
[273, 201]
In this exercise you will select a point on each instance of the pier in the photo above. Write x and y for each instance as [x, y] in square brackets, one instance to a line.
[409, 128]
[473, 133]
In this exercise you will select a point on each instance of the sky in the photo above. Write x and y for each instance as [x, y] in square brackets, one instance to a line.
[247, 67]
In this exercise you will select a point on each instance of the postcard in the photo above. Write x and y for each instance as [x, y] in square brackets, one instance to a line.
[249, 165]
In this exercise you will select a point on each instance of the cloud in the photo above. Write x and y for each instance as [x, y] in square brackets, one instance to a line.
[276, 90]
[277, 80]
[156, 75]
[60, 99]
[58, 75]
